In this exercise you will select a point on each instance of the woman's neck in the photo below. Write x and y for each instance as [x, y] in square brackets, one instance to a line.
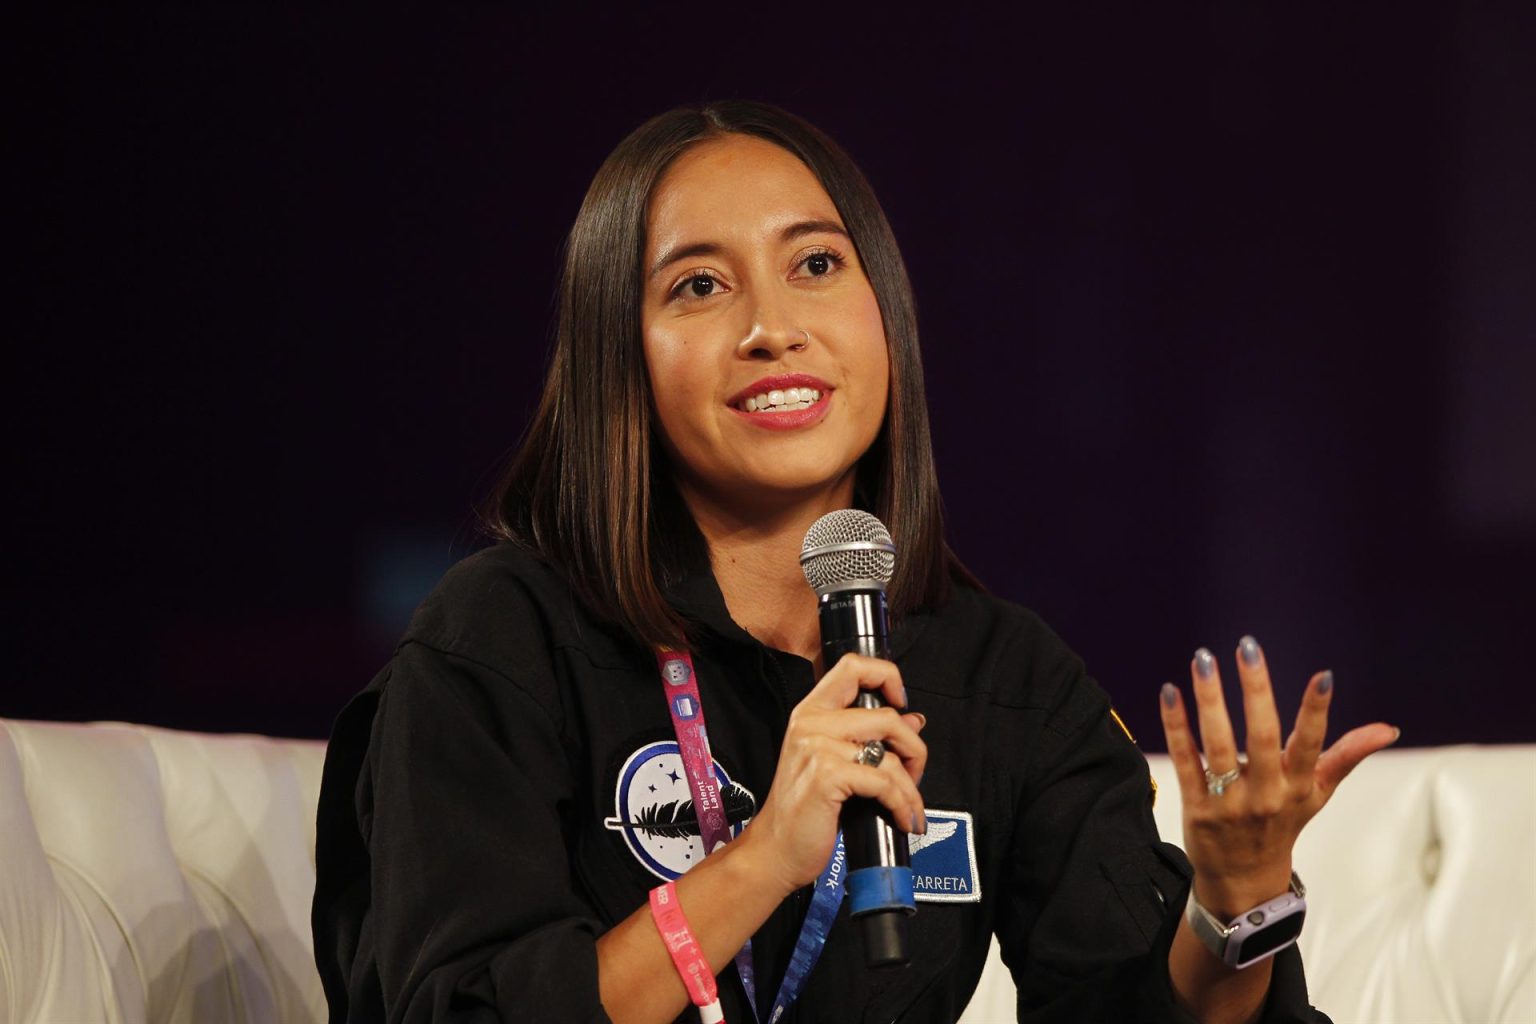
[756, 562]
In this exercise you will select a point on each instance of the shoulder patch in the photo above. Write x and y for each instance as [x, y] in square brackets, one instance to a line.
[1121, 723]
[944, 859]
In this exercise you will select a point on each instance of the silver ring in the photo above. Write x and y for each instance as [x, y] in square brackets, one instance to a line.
[806, 334]
[871, 753]
[1217, 784]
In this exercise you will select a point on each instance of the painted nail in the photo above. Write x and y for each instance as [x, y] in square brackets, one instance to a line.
[1325, 684]
[1248, 650]
[1205, 663]
[1170, 695]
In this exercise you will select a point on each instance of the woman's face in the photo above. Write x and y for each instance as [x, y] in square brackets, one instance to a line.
[764, 342]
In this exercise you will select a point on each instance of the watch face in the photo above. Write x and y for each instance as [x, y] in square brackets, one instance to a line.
[1278, 934]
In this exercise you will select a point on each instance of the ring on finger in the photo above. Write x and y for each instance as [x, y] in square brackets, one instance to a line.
[871, 753]
[1216, 784]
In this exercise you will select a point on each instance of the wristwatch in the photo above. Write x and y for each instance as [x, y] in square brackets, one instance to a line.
[1254, 934]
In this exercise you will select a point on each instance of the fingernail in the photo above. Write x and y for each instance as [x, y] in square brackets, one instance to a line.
[1170, 695]
[1396, 734]
[1325, 684]
[1205, 663]
[922, 719]
[1248, 650]
[922, 822]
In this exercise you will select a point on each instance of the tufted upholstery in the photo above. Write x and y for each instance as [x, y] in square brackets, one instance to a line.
[1421, 890]
[155, 876]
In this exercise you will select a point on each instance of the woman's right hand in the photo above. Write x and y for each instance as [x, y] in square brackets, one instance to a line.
[796, 827]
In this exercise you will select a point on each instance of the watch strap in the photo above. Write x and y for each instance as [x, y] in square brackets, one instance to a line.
[1217, 936]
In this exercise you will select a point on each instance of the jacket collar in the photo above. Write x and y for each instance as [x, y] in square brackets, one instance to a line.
[697, 597]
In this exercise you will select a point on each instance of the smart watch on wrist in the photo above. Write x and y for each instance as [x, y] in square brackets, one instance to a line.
[1254, 934]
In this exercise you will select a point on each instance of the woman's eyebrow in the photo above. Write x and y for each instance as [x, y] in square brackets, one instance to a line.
[671, 256]
[799, 229]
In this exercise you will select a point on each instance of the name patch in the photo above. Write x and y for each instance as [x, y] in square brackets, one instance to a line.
[944, 859]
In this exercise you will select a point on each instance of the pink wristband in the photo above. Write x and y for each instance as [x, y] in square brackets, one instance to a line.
[686, 955]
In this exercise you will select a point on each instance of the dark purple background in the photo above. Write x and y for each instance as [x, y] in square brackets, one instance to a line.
[1229, 326]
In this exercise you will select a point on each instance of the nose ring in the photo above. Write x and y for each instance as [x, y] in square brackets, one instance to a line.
[800, 345]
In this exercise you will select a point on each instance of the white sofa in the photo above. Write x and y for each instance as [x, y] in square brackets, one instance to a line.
[148, 875]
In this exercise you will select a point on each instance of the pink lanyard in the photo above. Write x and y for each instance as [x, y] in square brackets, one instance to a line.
[687, 711]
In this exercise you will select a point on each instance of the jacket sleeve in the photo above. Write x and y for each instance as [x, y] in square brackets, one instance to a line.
[463, 806]
[1093, 897]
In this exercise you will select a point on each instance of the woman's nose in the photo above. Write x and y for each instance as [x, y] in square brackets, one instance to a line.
[771, 339]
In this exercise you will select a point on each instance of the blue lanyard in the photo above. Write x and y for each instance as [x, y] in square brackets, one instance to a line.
[681, 685]
[813, 934]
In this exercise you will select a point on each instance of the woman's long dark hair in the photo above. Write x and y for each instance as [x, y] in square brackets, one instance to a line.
[589, 488]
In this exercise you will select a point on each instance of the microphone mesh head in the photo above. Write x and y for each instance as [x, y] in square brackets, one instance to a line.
[846, 547]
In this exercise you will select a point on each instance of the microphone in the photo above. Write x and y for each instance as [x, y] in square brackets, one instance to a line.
[848, 558]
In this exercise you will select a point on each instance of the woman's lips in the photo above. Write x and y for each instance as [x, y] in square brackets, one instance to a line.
[788, 390]
[778, 382]
[791, 420]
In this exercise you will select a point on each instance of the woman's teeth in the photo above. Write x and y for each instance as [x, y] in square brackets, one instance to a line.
[787, 400]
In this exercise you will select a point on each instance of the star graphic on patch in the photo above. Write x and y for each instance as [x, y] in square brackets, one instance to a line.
[672, 775]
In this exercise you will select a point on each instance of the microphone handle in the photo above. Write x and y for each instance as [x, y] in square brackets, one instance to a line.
[879, 857]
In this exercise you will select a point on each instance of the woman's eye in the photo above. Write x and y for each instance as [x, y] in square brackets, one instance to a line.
[820, 264]
[695, 286]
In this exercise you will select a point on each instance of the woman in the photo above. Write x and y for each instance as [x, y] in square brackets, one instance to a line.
[737, 355]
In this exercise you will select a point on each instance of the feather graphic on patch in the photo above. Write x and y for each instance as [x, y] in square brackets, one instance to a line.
[676, 820]
[938, 831]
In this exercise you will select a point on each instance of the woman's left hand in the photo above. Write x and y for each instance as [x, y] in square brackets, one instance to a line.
[1239, 840]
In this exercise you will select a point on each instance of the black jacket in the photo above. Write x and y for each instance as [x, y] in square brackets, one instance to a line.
[477, 824]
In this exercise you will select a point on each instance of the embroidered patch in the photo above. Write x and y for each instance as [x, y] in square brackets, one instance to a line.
[944, 859]
[653, 809]
[1121, 723]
